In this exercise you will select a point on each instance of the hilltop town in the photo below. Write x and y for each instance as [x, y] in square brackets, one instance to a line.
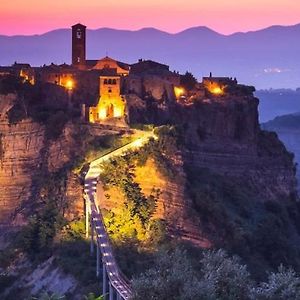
[208, 176]
[111, 88]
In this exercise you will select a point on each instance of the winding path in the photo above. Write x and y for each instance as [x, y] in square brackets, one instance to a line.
[117, 281]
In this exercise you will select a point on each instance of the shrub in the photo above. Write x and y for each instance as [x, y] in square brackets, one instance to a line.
[37, 237]
[172, 277]
[283, 285]
[225, 277]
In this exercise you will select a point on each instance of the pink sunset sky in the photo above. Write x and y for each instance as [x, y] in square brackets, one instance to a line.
[224, 16]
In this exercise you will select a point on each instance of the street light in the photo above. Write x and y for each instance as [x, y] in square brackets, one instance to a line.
[70, 84]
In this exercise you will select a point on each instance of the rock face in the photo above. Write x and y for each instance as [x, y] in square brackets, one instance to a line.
[173, 205]
[223, 135]
[21, 145]
[24, 153]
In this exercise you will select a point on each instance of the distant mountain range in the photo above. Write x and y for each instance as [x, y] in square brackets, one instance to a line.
[264, 58]
[277, 102]
[288, 129]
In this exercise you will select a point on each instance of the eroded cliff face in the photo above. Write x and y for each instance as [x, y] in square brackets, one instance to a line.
[21, 145]
[26, 155]
[174, 204]
[223, 135]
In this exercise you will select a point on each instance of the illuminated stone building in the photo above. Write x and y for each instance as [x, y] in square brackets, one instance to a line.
[217, 85]
[111, 104]
[25, 71]
[103, 87]
[62, 75]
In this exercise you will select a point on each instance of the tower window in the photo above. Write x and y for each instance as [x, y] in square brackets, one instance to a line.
[78, 34]
[78, 59]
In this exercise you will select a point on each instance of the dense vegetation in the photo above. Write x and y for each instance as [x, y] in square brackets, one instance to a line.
[43, 102]
[230, 213]
[132, 228]
[216, 276]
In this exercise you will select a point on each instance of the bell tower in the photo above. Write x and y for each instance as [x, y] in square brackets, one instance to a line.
[78, 45]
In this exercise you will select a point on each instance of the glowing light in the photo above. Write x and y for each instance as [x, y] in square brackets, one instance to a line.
[102, 113]
[215, 88]
[179, 91]
[217, 91]
[138, 143]
[118, 112]
[69, 84]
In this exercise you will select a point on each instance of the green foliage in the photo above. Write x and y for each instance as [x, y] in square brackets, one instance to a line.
[216, 277]
[47, 296]
[91, 296]
[95, 147]
[225, 277]
[120, 172]
[188, 81]
[37, 237]
[73, 258]
[172, 277]
[162, 150]
[40, 103]
[71, 251]
[231, 214]
[55, 124]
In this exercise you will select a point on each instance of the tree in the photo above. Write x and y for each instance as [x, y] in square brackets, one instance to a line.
[91, 296]
[283, 285]
[225, 277]
[46, 296]
[172, 277]
[188, 81]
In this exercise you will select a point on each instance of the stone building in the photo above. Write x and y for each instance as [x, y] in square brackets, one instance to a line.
[111, 106]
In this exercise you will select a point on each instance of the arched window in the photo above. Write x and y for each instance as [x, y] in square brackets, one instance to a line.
[78, 34]
[109, 81]
[114, 81]
[105, 81]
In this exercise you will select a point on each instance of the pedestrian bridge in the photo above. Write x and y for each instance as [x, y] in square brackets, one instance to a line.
[115, 283]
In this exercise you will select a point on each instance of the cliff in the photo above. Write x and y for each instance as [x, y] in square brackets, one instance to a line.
[20, 160]
[234, 184]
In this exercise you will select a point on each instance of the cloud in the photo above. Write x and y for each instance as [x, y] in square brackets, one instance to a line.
[275, 70]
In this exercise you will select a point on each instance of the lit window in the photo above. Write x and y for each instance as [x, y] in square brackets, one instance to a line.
[79, 34]
[78, 59]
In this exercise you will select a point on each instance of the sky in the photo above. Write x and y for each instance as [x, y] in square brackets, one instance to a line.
[224, 16]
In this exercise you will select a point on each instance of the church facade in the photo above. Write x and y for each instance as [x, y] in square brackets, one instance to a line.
[112, 104]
